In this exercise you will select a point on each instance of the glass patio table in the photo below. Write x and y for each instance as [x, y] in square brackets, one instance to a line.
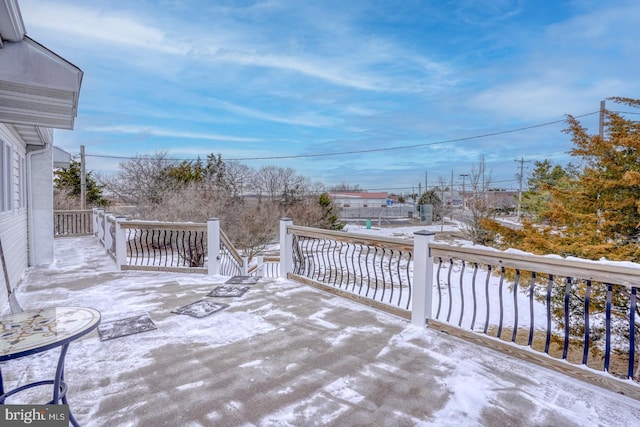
[30, 332]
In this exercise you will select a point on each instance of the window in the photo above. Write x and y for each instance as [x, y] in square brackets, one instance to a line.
[22, 183]
[6, 175]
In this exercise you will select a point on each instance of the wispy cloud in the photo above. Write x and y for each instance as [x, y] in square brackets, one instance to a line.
[363, 66]
[311, 119]
[168, 133]
[93, 24]
[265, 78]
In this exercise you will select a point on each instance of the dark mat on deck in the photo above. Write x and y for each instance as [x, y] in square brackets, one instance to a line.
[228, 291]
[200, 308]
[127, 326]
[243, 280]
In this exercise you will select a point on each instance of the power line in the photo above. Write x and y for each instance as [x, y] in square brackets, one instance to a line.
[372, 150]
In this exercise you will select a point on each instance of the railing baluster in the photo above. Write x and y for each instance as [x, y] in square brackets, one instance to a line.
[473, 294]
[323, 255]
[486, 294]
[500, 301]
[548, 338]
[314, 254]
[384, 282]
[154, 245]
[449, 293]
[632, 332]
[461, 293]
[516, 285]
[439, 290]
[531, 312]
[409, 284]
[341, 268]
[366, 263]
[346, 263]
[171, 248]
[375, 273]
[587, 331]
[353, 267]
[567, 330]
[360, 270]
[389, 268]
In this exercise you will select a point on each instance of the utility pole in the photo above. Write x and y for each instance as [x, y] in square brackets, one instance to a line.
[426, 184]
[83, 180]
[601, 121]
[451, 197]
[520, 178]
[464, 176]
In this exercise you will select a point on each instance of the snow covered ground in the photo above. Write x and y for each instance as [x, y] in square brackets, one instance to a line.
[282, 354]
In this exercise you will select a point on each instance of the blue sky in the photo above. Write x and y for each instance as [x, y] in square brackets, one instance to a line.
[343, 91]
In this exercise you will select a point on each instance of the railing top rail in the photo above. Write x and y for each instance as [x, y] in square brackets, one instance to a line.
[364, 239]
[164, 225]
[232, 250]
[606, 272]
[70, 211]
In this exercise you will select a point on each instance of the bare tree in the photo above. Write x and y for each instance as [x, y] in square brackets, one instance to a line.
[346, 188]
[140, 181]
[278, 183]
[238, 178]
[478, 204]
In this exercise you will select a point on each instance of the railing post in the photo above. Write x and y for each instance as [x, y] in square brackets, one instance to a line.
[260, 265]
[121, 243]
[422, 298]
[244, 268]
[108, 239]
[98, 224]
[105, 228]
[213, 246]
[286, 248]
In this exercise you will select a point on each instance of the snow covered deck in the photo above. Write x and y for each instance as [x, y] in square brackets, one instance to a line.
[281, 354]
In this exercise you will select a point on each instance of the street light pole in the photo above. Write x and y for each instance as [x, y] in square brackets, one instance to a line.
[463, 175]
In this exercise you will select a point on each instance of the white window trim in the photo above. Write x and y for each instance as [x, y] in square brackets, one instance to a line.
[22, 182]
[6, 177]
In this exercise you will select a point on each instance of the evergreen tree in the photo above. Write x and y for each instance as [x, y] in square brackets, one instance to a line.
[594, 212]
[68, 181]
[329, 216]
[536, 198]
[430, 197]
[591, 213]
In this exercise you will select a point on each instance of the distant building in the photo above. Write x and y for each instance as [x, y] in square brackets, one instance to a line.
[359, 199]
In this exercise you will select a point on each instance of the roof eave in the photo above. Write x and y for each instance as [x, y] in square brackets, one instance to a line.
[37, 86]
[11, 24]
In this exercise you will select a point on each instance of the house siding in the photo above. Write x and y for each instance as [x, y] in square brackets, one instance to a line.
[13, 221]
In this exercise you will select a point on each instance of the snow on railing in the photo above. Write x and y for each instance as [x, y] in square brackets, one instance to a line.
[265, 266]
[580, 311]
[374, 268]
[576, 312]
[168, 246]
[75, 223]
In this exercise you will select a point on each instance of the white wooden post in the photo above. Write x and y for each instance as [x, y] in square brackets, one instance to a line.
[260, 265]
[286, 248]
[94, 221]
[121, 243]
[105, 228]
[213, 246]
[422, 299]
[108, 239]
[244, 268]
[100, 231]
